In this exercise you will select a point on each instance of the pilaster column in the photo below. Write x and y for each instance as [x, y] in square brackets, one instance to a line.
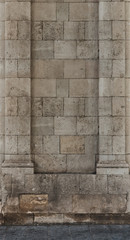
[112, 94]
[17, 160]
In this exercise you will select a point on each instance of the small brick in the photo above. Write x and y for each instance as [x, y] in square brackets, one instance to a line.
[65, 125]
[11, 145]
[44, 11]
[42, 49]
[10, 30]
[74, 31]
[72, 145]
[11, 106]
[24, 30]
[62, 88]
[42, 126]
[51, 144]
[37, 30]
[74, 69]
[87, 125]
[52, 30]
[91, 30]
[44, 88]
[73, 107]
[87, 49]
[53, 107]
[62, 11]
[65, 49]
[37, 106]
[24, 144]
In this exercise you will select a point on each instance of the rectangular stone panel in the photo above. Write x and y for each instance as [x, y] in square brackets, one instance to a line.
[34, 203]
[72, 145]
[44, 11]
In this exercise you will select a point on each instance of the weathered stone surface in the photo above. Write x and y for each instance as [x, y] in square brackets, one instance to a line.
[44, 11]
[72, 145]
[34, 203]
[65, 125]
[98, 203]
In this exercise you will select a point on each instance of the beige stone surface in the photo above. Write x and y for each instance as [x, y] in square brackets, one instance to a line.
[34, 203]
[72, 145]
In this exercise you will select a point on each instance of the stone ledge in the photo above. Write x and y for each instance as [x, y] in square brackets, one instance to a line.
[30, 219]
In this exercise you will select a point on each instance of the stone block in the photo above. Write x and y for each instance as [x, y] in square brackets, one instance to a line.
[74, 69]
[74, 107]
[11, 68]
[91, 149]
[65, 49]
[105, 29]
[47, 69]
[105, 145]
[91, 30]
[72, 145]
[41, 183]
[50, 163]
[111, 87]
[17, 126]
[92, 69]
[101, 183]
[87, 125]
[105, 49]
[2, 49]
[62, 87]
[44, 11]
[86, 184]
[62, 11]
[119, 126]
[42, 49]
[11, 30]
[105, 105]
[65, 125]
[118, 68]
[74, 30]
[87, 49]
[37, 106]
[11, 106]
[24, 106]
[16, 49]
[118, 28]
[104, 11]
[51, 144]
[2, 125]
[24, 68]
[24, 145]
[83, 88]
[68, 183]
[34, 203]
[2, 107]
[62, 204]
[37, 30]
[24, 28]
[19, 11]
[2, 69]
[11, 145]
[42, 126]
[52, 31]
[119, 49]
[44, 88]
[36, 144]
[2, 11]
[115, 184]
[91, 107]
[106, 127]
[118, 104]
[83, 11]
[17, 87]
[105, 68]
[99, 203]
[53, 107]
[2, 30]
[118, 10]
[118, 144]
[80, 164]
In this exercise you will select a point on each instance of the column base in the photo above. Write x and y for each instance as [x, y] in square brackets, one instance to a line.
[113, 167]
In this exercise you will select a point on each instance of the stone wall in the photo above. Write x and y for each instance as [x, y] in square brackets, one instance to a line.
[64, 111]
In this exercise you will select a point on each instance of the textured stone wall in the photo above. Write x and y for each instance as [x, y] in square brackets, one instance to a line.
[64, 86]
[64, 111]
